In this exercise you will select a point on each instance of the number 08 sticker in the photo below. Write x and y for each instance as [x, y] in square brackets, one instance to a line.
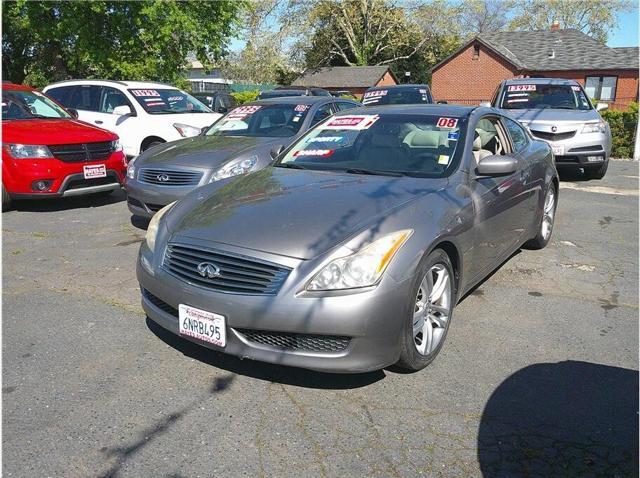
[447, 122]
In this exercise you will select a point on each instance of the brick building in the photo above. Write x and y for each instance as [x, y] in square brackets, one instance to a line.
[471, 74]
[355, 79]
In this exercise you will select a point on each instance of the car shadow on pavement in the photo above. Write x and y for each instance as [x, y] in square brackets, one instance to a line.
[66, 203]
[562, 419]
[573, 175]
[265, 371]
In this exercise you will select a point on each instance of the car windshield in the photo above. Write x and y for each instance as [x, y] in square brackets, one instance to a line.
[400, 96]
[167, 101]
[391, 144]
[17, 104]
[537, 96]
[269, 121]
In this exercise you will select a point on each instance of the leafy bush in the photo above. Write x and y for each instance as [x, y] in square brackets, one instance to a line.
[623, 128]
[245, 96]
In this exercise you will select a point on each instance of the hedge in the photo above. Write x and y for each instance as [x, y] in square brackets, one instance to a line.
[245, 96]
[623, 125]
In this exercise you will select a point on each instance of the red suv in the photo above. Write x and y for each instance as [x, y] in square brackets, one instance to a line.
[46, 152]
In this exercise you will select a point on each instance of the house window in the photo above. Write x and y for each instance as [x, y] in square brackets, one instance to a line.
[476, 51]
[601, 87]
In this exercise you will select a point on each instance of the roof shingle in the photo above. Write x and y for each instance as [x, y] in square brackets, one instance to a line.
[342, 76]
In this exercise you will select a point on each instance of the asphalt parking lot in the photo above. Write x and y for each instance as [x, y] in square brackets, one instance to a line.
[539, 375]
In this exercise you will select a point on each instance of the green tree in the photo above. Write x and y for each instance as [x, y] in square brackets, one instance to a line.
[44, 41]
[596, 18]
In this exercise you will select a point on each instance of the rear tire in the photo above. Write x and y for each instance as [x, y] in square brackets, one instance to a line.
[545, 229]
[597, 173]
[429, 314]
[6, 200]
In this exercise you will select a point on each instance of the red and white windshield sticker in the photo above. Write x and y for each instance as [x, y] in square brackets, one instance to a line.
[374, 94]
[300, 108]
[242, 112]
[145, 93]
[575, 88]
[314, 152]
[521, 88]
[447, 122]
[354, 122]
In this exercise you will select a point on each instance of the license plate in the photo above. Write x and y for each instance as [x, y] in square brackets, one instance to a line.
[95, 171]
[558, 150]
[202, 325]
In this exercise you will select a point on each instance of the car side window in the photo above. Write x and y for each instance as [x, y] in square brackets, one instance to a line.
[84, 97]
[323, 112]
[487, 139]
[518, 135]
[112, 98]
[61, 95]
[345, 105]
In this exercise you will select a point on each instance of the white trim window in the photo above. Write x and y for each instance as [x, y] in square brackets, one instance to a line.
[601, 87]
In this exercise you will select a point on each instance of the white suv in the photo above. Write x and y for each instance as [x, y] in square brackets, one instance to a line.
[142, 114]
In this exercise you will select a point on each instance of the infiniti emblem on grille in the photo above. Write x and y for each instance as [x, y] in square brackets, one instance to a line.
[554, 128]
[163, 177]
[209, 270]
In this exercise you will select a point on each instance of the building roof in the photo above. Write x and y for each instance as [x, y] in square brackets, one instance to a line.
[555, 50]
[343, 76]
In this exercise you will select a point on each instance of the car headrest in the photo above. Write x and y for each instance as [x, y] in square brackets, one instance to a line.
[424, 139]
[477, 143]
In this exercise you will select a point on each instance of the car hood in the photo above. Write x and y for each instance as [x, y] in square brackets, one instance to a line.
[553, 116]
[204, 151]
[290, 212]
[52, 131]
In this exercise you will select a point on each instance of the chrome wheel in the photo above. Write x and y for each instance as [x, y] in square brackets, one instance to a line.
[432, 309]
[548, 214]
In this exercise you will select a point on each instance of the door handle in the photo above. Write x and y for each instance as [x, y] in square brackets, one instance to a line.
[98, 122]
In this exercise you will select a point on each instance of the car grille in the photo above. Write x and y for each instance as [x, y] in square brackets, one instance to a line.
[296, 342]
[78, 181]
[238, 274]
[169, 177]
[596, 148]
[553, 136]
[77, 153]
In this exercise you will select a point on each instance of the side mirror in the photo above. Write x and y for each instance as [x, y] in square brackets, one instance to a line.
[496, 165]
[486, 104]
[443, 102]
[73, 112]
[122, 110]
[602, 106]
[275, 152]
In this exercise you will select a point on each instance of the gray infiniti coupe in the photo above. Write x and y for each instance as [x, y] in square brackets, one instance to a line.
[350, 251]
[237, 143]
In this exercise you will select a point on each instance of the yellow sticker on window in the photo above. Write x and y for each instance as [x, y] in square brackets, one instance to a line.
[443, 159]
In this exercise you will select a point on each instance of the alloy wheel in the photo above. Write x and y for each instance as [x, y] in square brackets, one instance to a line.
[432, 309]
[548, 214]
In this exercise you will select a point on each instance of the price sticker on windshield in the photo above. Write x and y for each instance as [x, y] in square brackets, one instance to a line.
[521, 88]
[447, 122]
[242, 112]
[145, 93]
[352, 122]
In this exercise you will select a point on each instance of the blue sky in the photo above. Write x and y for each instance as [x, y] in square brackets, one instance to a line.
[627, 32]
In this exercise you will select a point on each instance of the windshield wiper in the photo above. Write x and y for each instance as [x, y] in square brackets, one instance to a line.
[372, 172]
[289, 165]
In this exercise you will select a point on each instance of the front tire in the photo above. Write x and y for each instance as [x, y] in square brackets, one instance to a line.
[6, 199]
[545, 228]
[429, 314]
[597, 173]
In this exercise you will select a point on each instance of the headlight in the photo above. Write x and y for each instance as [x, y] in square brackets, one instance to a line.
[152, 230]
[234, 168]
[187, 131]
[24, 151]
[131, 169]
[363, 268]
[116, 145]
[599, 127]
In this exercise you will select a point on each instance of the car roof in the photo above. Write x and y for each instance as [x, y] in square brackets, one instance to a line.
[425, 109]
[540, 81]
[295, 100]
[398, 87]
[126, 84]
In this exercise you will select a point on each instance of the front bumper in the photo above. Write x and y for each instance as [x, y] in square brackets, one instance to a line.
[582, 150]
[145, 200]
[372, 321]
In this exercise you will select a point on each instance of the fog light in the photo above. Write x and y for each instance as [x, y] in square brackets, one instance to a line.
[42, 185]
[594, 159]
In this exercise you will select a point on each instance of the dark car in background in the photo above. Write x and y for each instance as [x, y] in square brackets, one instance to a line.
[240, 142]
[397, 95]
[282, 91]
[218, 101]
[559, 111]
[350, 253]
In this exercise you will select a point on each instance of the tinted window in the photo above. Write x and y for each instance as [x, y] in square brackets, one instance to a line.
[112, 98]
[322, 113]
[167, 101]
[29, 105]
[61, 95]
[344, 105]
[272, 121]
[80, 97]
[518, 135]
[399, 96]
[541, 96]
[417, 145]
